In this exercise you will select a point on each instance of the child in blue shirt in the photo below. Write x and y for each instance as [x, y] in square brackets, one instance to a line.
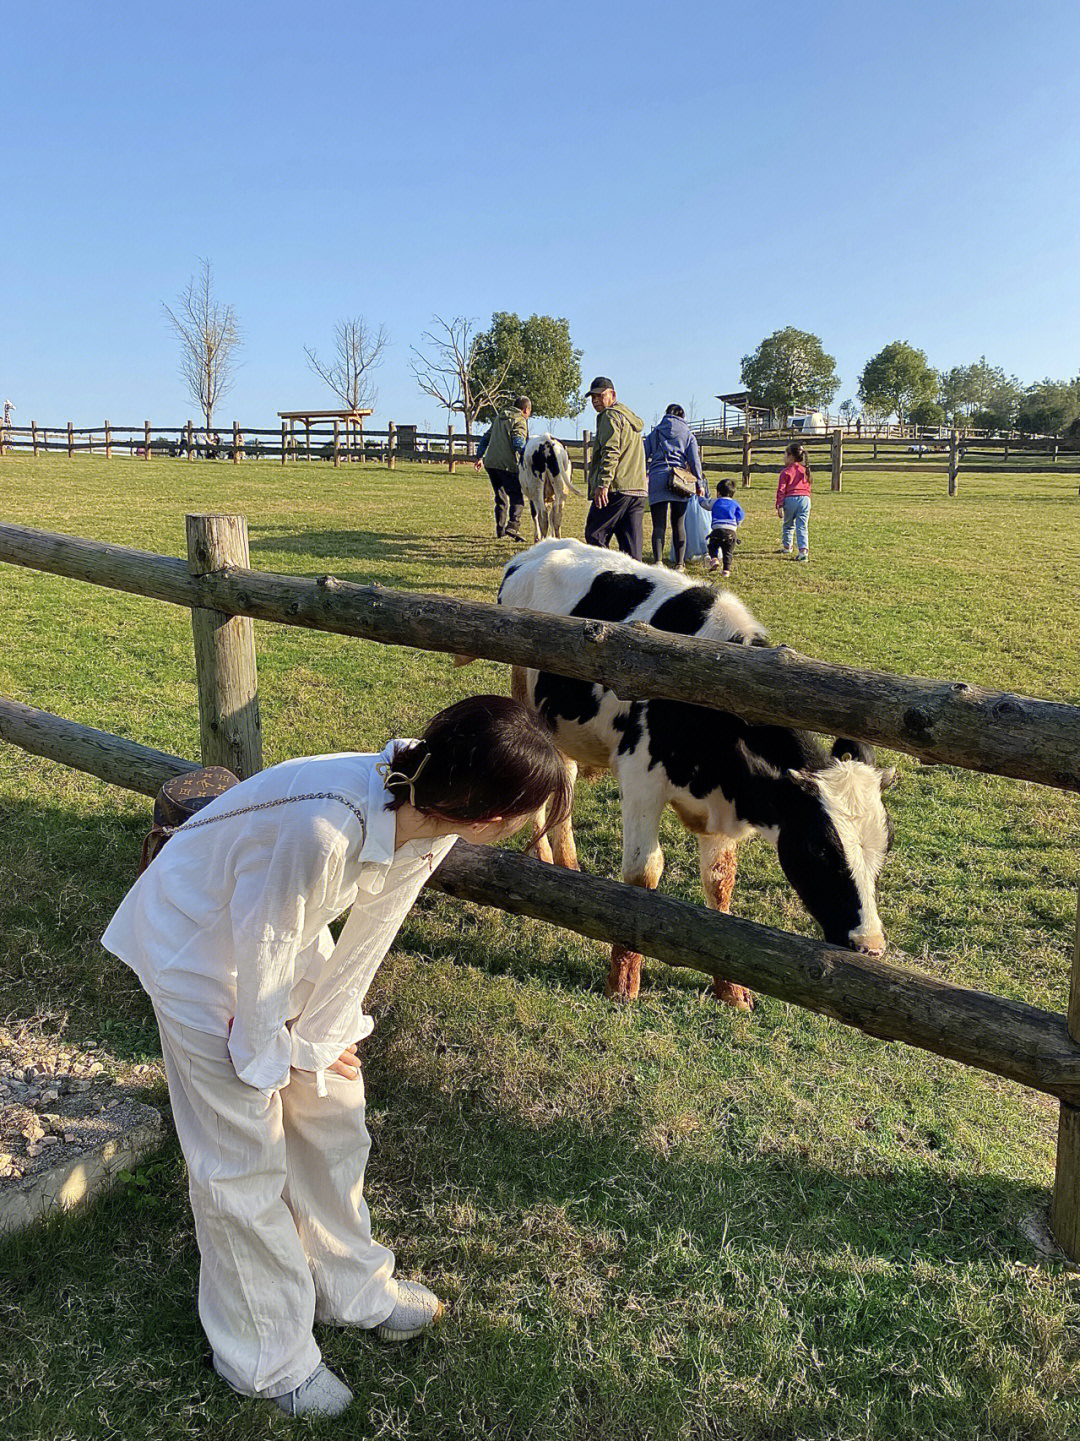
[727, 516]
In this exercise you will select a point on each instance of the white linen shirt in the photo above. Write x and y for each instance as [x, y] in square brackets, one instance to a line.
[227, 927]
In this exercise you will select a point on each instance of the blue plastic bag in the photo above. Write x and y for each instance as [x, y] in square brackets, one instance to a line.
[697, 532]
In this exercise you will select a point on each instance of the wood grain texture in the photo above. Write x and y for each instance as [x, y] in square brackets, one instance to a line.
[111, 758]
[230, 729]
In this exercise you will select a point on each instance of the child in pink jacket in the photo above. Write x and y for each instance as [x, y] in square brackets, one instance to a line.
[793, 501]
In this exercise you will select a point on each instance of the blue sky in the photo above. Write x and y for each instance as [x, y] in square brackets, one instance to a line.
[677, 181]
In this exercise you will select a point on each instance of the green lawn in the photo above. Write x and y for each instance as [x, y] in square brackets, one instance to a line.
[664, 1221]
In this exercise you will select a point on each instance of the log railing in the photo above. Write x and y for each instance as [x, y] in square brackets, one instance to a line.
[945, 722]
[953, 723]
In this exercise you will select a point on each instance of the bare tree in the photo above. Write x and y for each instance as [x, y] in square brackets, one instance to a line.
[448, 371]
[209, 338]
[357, 351]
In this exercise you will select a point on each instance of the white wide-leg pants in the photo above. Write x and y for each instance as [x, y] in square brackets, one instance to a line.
[276, 1186]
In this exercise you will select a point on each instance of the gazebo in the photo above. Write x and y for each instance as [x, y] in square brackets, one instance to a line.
[353, 421]
[751, 410]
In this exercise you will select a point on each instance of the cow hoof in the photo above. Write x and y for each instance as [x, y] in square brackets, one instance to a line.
[624, 978]
[739, 997]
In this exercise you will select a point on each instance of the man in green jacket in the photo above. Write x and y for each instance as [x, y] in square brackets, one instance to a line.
[617, 482]
[500, 450]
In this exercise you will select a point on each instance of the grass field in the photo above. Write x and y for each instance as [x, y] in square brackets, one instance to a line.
[664, 1221]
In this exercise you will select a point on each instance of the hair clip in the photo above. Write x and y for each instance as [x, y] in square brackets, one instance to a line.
[398, 778]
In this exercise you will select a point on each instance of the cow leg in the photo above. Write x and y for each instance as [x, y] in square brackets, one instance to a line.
[718, 881]
[643, 865]
[563, 834]
[556, 515]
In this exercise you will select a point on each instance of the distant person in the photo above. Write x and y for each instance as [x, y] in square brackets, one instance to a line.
[499, 452]
[669, 445]
[727, 516]
[213, 445]
[793, 501]
[617, 484]
[858, 427]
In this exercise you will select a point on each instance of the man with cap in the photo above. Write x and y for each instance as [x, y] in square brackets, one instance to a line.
[500, 450]
[617, 483]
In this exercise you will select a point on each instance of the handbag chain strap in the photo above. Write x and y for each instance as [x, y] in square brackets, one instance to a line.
[191, 825]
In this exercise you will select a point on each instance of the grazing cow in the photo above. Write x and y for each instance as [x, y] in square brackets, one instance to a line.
[545, 473]
[725, 778]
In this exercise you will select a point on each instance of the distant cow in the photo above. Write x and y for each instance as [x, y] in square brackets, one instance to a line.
[545, 473]
[725, 779]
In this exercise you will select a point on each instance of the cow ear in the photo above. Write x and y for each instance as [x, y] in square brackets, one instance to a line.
[806, 781]
[887, 779]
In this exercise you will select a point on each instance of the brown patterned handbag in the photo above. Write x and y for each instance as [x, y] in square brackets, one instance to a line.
[179, 799]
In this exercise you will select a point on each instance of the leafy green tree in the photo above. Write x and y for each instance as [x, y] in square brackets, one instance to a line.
[980, 387]
[533, 357]
[1049, 407]
[897, 379]
[848, 411]
[927, 412]
[790, 368]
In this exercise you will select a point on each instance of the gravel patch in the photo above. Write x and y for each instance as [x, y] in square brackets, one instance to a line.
[60, 1105]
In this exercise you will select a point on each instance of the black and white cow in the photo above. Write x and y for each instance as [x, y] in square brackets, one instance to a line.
[545, 474]
[725, 779]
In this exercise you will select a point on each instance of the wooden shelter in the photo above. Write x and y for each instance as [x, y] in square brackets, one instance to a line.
[353, 421]
[752, 412]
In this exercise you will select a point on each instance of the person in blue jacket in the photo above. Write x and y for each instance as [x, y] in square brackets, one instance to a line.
[727, 516]
[671, 443]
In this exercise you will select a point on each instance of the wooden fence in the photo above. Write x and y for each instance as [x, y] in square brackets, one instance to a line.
[744, 455]
[955, 723]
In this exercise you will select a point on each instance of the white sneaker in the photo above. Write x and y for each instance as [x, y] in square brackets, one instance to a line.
[322, 1394]
[417, 1308]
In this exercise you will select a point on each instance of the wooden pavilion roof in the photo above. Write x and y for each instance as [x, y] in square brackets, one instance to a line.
[742, 400]
[323, 414]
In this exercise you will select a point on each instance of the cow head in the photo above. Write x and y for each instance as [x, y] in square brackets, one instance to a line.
[832, 844]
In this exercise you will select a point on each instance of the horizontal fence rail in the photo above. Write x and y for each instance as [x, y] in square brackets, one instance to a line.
[950, 723]
[890, 1002]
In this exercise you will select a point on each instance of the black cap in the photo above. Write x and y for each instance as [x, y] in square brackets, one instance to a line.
[599, 385]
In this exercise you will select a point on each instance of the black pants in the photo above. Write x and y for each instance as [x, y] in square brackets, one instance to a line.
[509, 501]
[723, 540]
[678, 528]
[622, 518]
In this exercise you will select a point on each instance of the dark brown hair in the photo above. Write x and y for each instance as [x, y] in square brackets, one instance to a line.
[797, 451]
[725, 487]
[677, 411]
[486, 756]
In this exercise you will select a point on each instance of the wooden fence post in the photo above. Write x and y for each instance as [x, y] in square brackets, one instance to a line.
[1065, 1203]
[337, 443]
[33, 432]
[837, 482]
[236, 442]
[307, 441]
[3, 433]
[747, 453]
[954, 460]
[108, 442]
[146, 440]
[390, 437]
[284, 441]
[230, 732]
[586, 448]
[450, 447]
[71, 439]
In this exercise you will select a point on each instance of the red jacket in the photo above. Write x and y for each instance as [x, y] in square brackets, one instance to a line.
[793, 481]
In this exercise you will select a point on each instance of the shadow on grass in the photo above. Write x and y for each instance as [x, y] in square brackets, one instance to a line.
[597, 1274]
[567, 1253]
